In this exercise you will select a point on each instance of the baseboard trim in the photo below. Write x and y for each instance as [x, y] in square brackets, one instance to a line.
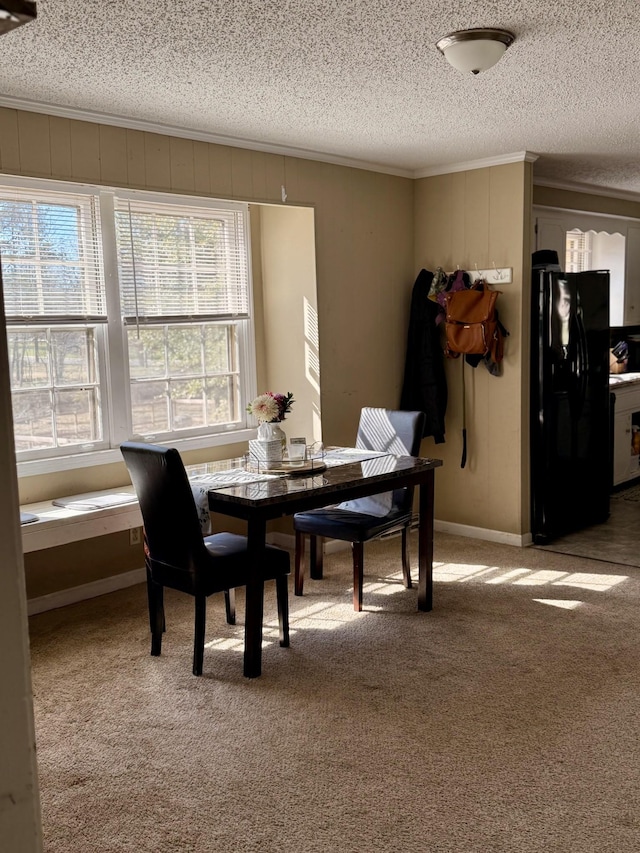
[287, 540]
[282, 540]
[74, 594]
[499, 536]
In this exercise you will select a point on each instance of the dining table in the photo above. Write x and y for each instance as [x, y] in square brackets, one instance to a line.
[259, 495]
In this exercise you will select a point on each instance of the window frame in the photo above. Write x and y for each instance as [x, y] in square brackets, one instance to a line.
[158, 437]
[113, 348]
[99, 445]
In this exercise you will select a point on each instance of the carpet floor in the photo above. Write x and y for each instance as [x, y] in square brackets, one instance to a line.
[506, 720]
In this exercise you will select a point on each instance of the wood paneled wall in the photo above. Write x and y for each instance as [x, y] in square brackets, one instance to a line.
[465, 219]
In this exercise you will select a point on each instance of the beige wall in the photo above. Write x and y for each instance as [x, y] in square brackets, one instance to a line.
[290, 307]
[481, 217]
[364, 264]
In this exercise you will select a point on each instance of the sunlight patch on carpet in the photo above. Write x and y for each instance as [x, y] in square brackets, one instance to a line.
[382, 587]
[270, 636]
[322, 616]
[459, 571]
[561, 603]
[505, 577]
[540, 578]
[228, 644]
[599, 583]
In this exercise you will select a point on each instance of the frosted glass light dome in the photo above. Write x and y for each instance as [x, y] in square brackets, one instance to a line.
[476, 50]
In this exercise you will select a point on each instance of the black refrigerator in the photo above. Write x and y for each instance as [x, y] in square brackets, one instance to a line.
[570, 421]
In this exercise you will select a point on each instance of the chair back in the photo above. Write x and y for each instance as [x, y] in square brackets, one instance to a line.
[171, 524]
[395, 432]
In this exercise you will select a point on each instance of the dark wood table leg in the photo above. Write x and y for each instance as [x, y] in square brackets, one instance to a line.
[257, 529]
[316, 557]
[299, 564]
[425, 545]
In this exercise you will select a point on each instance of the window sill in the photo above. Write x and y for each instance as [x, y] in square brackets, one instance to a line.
[36, 467]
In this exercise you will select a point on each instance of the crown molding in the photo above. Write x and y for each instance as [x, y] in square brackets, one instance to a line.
[589, 189]
[78, 114]
[484, 163]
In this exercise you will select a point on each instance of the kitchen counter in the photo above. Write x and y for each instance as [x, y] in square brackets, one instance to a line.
[623, 379]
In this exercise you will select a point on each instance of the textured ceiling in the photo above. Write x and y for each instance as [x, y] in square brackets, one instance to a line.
[353, 79]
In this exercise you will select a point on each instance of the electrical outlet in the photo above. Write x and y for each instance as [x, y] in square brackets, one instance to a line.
[135, 536]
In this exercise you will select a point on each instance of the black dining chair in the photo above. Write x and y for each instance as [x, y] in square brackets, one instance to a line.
[365, 519]
[177, 554]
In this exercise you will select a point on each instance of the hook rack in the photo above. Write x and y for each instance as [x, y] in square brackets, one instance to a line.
[495, 275]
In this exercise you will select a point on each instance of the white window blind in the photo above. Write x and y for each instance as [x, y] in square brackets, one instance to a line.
[51, 257]
[180, 263]
[578, 254]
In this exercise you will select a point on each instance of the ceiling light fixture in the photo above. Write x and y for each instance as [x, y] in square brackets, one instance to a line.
[14, 13]
[475, 50]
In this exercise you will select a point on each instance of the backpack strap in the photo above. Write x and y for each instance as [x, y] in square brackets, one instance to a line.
[463, 460]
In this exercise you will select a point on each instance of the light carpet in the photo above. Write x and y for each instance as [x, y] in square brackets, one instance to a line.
[507, 719]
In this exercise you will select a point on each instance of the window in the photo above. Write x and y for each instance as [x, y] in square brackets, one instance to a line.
[128, 315]
[183, 376]
[578, 253]
[55, 387]
[184, 292]
[56, 311]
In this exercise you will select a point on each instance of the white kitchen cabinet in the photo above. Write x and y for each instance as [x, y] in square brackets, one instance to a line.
[626, 460]
[551, 233]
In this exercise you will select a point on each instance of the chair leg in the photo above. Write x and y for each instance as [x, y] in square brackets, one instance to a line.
[151, 600]
[316, 557]
[282, 592]
[156, 615]
[406, 565]
[299, 564]
[358, 573]
[161, 605]
[230, 605]
[198, 640]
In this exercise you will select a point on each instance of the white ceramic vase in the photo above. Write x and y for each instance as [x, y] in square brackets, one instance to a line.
[272, 432]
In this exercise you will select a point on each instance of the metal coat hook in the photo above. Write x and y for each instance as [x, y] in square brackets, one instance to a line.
[497, 271]
[490, 275]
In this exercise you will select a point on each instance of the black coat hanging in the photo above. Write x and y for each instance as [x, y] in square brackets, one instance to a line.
[425, 385]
